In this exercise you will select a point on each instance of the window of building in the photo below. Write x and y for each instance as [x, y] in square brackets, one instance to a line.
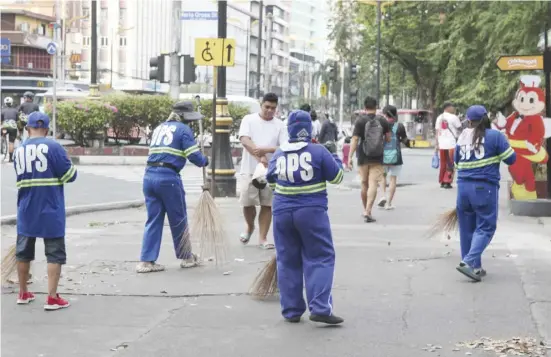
[104, 42]
[41, 29]
[122, 41]
[86, 12]
[86, 41]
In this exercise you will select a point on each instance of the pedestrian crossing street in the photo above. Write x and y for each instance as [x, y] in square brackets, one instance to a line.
[192, 177]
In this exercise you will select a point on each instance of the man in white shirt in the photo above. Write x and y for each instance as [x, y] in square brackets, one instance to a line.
[260, 134]
[447, 128]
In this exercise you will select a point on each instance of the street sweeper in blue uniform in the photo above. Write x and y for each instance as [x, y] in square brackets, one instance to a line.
[298, 172]
[172, 145]
[478, 154]
[42, 168]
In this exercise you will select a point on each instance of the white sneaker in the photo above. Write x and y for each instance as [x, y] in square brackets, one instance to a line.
[149, 267]
[191, 262]
[389, 207]
[382, 202]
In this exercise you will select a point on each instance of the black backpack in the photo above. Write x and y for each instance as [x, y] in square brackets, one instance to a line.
[373, 143]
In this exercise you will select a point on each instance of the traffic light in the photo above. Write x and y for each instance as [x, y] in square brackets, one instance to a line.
[333, 72]
[353, 97]
[158, 68]
[353, 72]
[189, 69]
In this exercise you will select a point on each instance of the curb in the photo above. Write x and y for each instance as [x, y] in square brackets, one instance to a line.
[115, 160]
[74, 210]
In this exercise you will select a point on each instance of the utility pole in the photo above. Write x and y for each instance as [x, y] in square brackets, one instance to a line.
[175, 55]
[341, 104]
[259, 57]
[388, 81]
[378, 94]
[268, 59]
[59, 40]
[94, 51]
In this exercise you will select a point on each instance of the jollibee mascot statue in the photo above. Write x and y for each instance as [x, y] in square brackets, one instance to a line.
[526, 130]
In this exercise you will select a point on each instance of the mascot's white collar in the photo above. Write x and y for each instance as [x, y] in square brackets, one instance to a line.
[293, 146]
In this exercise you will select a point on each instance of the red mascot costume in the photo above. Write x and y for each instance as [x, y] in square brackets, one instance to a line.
[525, 129]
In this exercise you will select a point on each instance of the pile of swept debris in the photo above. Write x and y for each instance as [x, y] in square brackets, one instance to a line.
[516, 346]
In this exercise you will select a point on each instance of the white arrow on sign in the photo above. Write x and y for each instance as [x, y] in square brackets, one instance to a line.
[51, 48]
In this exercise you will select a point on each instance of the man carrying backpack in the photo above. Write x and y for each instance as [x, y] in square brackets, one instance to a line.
[371, 131]
[393, 155]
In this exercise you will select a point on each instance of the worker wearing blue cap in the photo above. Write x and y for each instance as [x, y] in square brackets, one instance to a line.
[42, 167]
[478, 154]
[172, 145]
[298, 172]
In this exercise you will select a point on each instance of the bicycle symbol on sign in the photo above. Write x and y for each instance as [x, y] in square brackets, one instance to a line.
[207, 56]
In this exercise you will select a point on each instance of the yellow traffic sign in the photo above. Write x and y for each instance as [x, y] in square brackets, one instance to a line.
[219, 52]
[323, 90]
[520, 63]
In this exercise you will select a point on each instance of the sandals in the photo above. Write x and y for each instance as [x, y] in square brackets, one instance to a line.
[149, 267]
[266, 246]
[245, 237]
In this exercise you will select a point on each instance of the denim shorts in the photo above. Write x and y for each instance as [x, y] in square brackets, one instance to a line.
[53, 247]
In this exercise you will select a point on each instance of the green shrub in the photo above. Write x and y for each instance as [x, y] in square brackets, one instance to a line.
[124, 114]
[84, 120]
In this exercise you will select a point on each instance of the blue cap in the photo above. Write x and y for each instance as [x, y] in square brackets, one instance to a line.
[38, 120]
[476, 112]
[299, 126]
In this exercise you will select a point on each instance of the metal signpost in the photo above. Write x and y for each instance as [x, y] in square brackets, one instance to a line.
[215, 52]
[52, 51]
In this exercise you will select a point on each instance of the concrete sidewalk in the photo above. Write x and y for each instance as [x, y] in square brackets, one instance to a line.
[397, 289]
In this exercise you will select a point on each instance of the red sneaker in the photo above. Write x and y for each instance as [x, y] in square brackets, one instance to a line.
[25, 298]
[56, 303]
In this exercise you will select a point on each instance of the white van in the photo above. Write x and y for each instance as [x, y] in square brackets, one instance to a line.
[252, 104]
[62, 94]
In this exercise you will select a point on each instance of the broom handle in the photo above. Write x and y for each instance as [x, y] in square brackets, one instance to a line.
[204, 169]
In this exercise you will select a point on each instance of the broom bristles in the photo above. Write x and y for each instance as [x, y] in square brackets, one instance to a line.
[445, 223]
[207, 227]
[9, 264]
[265, 283]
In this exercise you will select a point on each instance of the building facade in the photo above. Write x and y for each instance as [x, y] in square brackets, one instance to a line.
[199, 20]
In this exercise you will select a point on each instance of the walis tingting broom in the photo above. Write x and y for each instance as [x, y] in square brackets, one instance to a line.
[445, 223]
[265, 283]
[9, 264]
[207, 224]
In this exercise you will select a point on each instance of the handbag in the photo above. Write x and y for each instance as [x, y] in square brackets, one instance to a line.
[435, 161]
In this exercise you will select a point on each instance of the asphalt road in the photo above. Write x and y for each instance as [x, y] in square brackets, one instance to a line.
[102, 184]
[397, 289]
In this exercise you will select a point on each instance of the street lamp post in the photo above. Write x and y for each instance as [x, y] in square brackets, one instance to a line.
[222, 167]
[378, 90]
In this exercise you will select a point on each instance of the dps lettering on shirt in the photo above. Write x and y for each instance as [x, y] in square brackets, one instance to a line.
[31, 157]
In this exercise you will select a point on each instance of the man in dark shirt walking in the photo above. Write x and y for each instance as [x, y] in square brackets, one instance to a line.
[370, 153]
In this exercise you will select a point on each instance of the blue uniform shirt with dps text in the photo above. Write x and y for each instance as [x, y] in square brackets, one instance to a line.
[299, 172]
[173, 143]
[482, 164]
[42, 167]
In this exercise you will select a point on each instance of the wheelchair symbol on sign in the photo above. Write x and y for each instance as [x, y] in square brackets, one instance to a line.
[207, 56]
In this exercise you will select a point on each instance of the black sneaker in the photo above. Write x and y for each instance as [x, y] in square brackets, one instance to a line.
[293, 320]
[330, 320]
[369, 219]
[448, 186]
